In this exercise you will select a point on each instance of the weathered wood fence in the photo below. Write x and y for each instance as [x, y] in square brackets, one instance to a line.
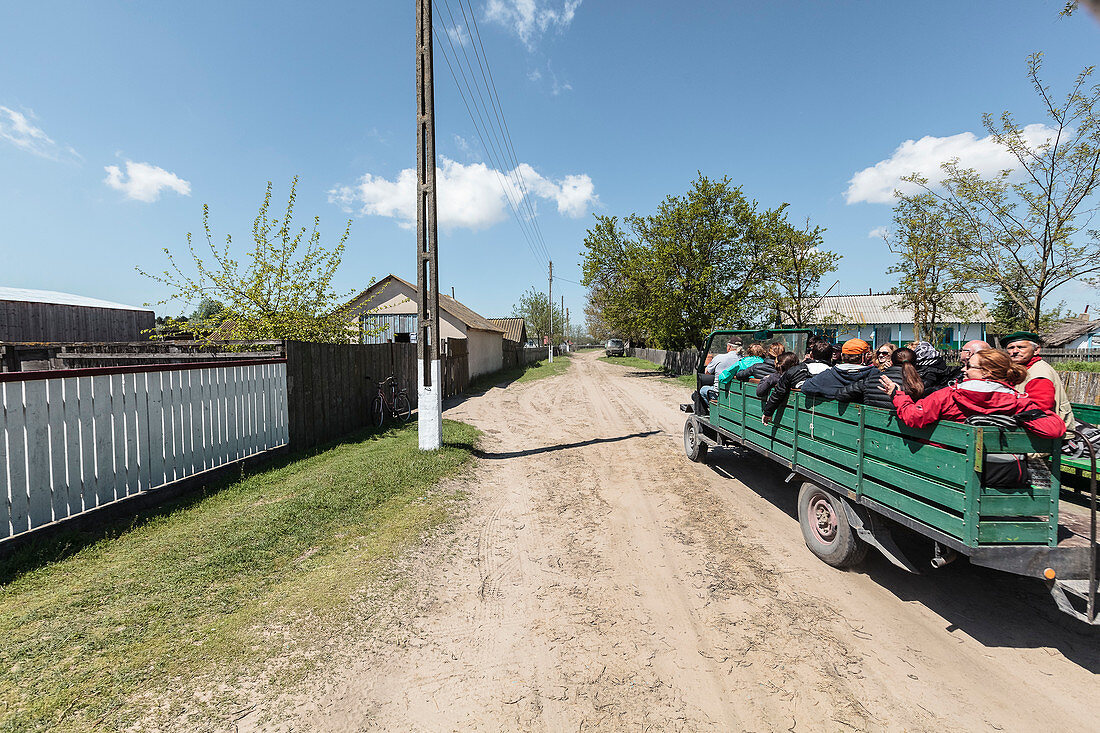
[521, 356]
[75, 440]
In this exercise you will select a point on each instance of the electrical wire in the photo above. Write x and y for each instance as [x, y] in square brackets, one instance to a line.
[510, 196]
[496, 139]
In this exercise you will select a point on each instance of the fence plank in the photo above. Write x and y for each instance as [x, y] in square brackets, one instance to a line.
[39, 490]
[5, 488]
[73, 474]
[155, 435]
[88, 493]
[55, 396]
[17, 457]
[118, 434]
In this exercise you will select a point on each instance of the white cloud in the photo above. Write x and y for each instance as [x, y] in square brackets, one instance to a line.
[469, 196]
[144, 182]
[17, 128]
[530, 19]
[878, 233]
[458, 35]
[876, 184]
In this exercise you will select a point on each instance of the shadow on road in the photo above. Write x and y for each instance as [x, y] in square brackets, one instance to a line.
[995, 608]
[561, 446]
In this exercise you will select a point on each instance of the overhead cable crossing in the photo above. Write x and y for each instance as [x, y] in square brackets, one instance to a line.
[495, 138]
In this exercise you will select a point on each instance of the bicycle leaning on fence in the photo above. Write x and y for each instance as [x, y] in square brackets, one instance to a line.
[390, 401]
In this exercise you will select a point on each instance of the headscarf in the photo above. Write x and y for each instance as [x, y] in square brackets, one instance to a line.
[926, 352]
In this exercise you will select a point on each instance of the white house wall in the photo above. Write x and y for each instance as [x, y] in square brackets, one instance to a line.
[903, 333]
[486, 352]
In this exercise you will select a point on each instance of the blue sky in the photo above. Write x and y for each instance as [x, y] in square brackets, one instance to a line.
[119, 120]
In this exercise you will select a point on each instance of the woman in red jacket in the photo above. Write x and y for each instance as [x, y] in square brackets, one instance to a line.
[986, 390]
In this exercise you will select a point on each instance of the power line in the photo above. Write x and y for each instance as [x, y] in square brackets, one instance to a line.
[508, 195]
[487, 74]
[495, 138]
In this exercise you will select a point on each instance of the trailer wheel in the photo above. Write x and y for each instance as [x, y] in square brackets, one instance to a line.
[825, 528]
[694, 448]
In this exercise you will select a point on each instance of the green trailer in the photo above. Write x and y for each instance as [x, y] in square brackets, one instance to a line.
[864, 474]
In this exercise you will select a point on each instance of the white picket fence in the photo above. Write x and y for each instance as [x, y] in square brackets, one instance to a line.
[74, 440]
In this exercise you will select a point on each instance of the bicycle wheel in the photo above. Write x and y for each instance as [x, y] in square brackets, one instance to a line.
[402, 408]
[377, 412]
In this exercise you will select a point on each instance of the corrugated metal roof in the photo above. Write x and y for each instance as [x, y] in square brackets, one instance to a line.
[512, 327]
[882, 308]
[56, 298]
[458, 310]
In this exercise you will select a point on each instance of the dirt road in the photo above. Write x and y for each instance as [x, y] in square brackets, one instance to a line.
[602, 581]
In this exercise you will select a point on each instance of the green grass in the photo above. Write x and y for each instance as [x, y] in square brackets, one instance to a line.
[529, 373]
[686, 380]
[1076, 366]
[632, 361]
[93, 624]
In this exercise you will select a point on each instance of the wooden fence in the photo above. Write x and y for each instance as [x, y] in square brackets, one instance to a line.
[455, 365]
[75, 440]
[521, 356]
[330, 386]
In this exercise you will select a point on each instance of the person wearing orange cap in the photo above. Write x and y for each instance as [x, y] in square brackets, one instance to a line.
[855, 364]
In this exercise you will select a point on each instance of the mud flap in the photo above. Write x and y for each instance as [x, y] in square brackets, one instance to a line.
[1060, 590]
[878, 536]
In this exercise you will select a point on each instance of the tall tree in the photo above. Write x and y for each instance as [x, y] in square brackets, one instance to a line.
[693, 265]
[536, 311]
[928, 241]
[798, 261]
[283, 291]
[1023, 235]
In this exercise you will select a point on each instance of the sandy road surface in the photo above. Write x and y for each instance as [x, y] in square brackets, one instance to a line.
[601, 581]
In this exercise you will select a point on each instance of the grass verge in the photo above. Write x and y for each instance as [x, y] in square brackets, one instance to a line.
[1076, 366]
[528, 373]
[686, 380]
[92, 624]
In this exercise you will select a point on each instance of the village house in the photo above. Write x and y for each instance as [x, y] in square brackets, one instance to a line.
[877, 319]
[1075, 333]
[389, 306]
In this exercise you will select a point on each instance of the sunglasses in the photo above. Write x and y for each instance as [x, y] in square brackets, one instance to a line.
[882, 353]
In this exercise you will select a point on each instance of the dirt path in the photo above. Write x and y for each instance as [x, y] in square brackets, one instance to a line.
[602, 581]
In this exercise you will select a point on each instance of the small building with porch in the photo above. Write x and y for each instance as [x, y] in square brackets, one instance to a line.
[877, 318]
[387, 311]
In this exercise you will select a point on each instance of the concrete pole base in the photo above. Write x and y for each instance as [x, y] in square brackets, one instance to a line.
[430, 409]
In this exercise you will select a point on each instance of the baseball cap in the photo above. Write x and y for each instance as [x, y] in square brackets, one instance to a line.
[855, 346]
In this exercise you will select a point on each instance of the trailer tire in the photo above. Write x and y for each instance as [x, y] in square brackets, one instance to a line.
[694, 448]
[825, 528]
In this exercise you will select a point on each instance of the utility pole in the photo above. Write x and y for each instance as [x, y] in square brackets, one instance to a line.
[564, 324]
[550, 309]
[428, 341]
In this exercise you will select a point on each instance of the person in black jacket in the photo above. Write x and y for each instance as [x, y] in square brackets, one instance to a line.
[764, 368]
[854, 366]
[783, 362]
[820, 353]
[901, 371]
[933, 368]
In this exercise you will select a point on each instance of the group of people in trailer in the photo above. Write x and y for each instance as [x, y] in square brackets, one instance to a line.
[914, 380]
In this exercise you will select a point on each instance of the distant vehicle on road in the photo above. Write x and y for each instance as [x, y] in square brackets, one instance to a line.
[531, 344]
[615, 347]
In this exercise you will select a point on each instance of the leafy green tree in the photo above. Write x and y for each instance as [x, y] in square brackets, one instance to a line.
[536, 311]
[283, 291]
[695, 264]
[1023, 233]
[929, 243]
[797, 262]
